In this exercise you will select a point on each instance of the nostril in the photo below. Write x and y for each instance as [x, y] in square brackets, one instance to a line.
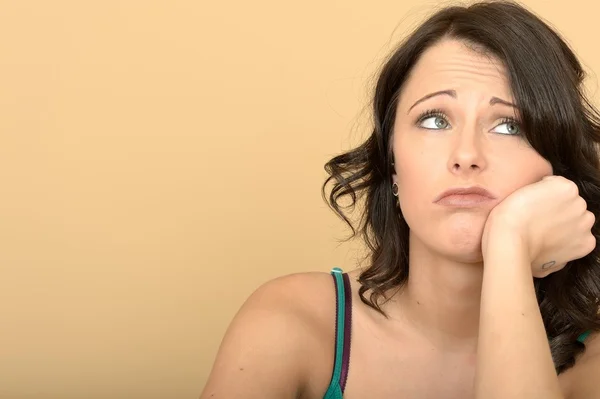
[458, 167]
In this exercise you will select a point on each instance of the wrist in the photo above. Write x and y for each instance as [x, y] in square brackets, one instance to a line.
[506, 258]
[502, 236]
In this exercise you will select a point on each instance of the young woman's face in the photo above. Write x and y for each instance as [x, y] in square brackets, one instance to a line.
[461, 137]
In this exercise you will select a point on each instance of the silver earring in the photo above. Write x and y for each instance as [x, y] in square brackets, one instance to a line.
[395, 189]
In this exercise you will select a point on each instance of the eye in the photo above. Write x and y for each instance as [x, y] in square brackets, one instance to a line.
[434, 120]
[509, 127]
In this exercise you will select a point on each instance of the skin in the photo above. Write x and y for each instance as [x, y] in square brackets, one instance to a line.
[444, 299]
[440, 340]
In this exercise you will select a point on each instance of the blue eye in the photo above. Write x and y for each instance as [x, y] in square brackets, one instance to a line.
[511, 127]
[434, 120]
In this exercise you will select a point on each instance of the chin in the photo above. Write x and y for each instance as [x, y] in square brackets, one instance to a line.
[456, 237]
[462, 241]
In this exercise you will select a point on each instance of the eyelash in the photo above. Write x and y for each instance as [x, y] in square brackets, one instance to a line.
[438, 112]
[508, 119]
[429, 113]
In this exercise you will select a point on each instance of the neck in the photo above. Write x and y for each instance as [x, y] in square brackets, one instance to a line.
[442, 298]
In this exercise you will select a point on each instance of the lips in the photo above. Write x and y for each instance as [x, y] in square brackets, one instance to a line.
[464, 196]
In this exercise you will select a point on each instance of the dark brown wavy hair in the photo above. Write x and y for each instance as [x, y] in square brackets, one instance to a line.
[558, 120]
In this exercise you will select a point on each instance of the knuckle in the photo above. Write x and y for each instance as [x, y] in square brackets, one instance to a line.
[581, 205]
[572, 187]
[591, 218]
[590, 243]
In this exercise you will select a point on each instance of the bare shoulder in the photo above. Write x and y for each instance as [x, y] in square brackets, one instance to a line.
[282, 332]
[301, 291]
[584, 375]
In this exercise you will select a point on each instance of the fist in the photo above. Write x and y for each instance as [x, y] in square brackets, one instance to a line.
[552, 221]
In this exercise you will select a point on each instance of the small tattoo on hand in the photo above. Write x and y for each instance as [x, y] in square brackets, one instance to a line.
[548, 265]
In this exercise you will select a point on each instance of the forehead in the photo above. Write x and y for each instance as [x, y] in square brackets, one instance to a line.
[452, 64]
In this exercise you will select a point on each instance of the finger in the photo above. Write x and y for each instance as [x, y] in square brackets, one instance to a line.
[588, 244]
[589, 219]
[581, 205]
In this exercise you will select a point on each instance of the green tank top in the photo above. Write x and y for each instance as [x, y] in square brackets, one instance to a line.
[342, 335]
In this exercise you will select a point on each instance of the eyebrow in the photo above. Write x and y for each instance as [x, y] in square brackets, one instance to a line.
[452, 93]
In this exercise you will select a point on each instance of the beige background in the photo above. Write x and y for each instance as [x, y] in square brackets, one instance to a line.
[161, 159]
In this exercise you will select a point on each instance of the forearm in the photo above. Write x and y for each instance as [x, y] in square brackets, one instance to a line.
[513, 356]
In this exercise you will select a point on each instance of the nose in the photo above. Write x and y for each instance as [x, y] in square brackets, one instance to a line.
[466, 156]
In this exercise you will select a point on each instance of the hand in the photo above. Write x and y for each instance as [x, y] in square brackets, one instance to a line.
[550, 219]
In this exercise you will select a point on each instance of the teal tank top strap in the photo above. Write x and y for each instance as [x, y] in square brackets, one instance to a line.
[583, 336]
[335, 390]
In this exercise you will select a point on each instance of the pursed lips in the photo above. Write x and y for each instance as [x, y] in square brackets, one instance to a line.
[464, 197]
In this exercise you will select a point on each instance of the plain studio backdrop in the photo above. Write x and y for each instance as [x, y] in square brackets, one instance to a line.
[159, 160]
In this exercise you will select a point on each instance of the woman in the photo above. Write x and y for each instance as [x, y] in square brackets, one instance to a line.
[481, 186]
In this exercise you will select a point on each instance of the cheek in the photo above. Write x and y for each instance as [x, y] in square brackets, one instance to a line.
[415, 193]
[417, 173]
[523, 169]
[420, 165]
